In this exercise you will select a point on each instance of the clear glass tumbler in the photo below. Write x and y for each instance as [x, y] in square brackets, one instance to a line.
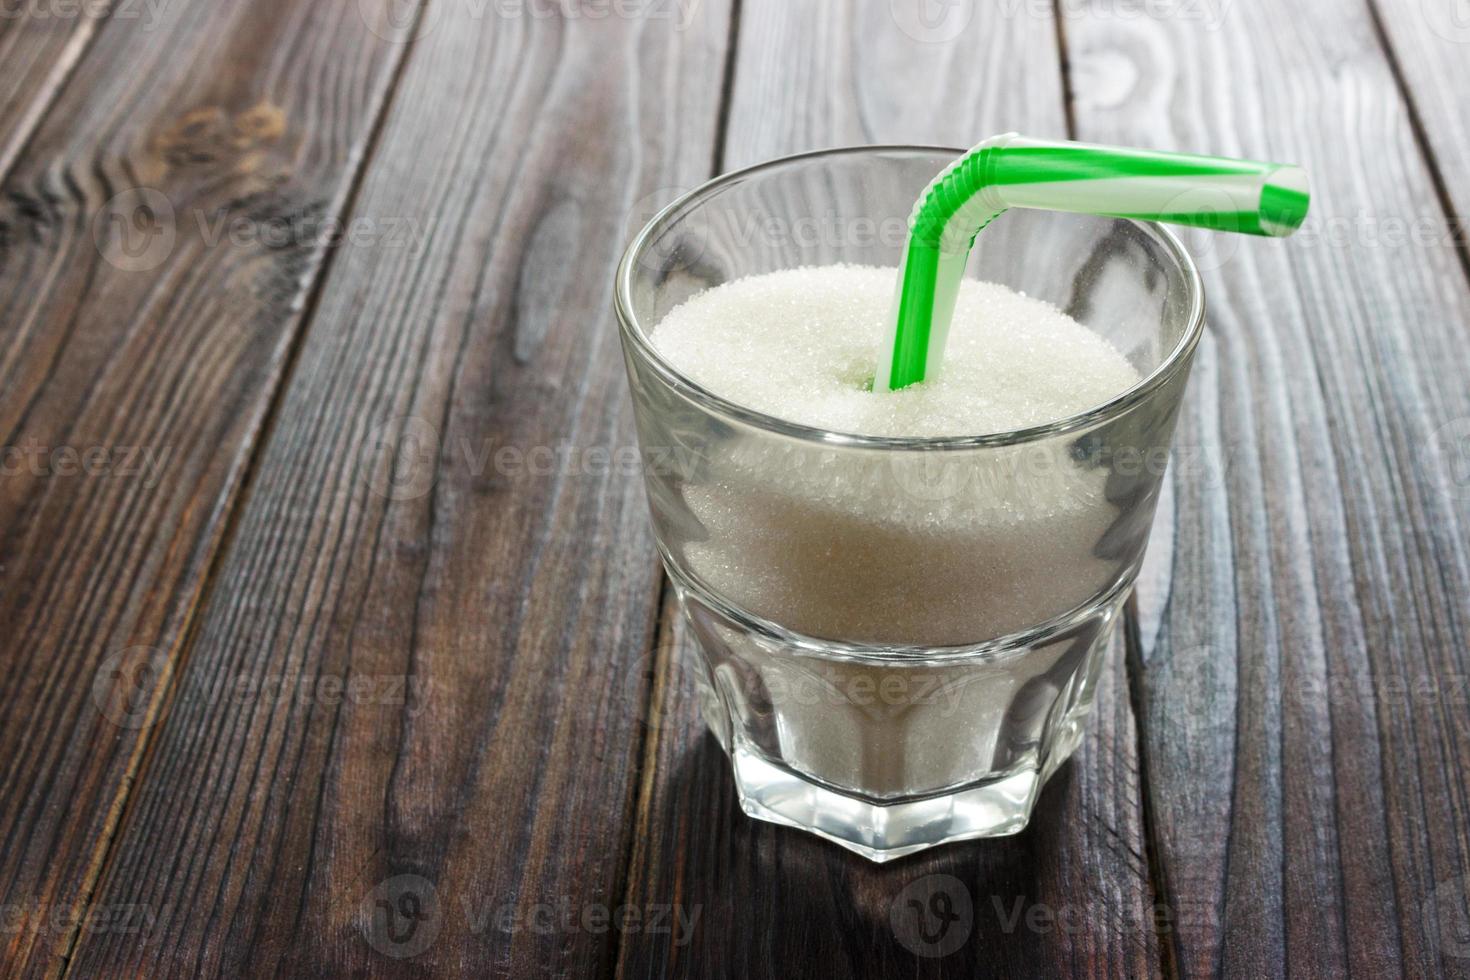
[900, 637]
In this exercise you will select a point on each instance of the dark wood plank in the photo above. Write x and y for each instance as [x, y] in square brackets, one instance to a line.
[188, 136]
[1304, 703]
[40, 44]
[1070, 894]
[387, 543]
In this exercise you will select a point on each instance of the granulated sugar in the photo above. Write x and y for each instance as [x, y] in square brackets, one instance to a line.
[801, 345]
[897, 549]
[910, 548]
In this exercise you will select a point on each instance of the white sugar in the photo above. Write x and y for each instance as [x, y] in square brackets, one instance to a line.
[904, 548]
[910, 549]
[801, 345]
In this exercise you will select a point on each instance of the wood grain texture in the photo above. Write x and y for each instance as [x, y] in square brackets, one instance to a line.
[1430, 45]
[1304, 701]
[776, 902]
[39, 46]
[430, 522]
[816, 75]
[140, 346]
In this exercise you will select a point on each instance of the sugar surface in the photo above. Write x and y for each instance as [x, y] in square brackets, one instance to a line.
[801, 344]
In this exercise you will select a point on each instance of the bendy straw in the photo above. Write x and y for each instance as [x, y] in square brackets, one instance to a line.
[1013, 171]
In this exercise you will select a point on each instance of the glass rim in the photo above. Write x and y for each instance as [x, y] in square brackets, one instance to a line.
[635, 335]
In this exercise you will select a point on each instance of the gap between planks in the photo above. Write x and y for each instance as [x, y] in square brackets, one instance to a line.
[143, 752]
[1421, 134]
[645, 756]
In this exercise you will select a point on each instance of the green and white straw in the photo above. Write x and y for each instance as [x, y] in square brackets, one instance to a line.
[1012, 171]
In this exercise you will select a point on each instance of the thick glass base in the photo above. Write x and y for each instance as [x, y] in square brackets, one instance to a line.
[890, 752]
[884, 831]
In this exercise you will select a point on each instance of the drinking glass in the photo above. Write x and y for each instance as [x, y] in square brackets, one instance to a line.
[899, 639]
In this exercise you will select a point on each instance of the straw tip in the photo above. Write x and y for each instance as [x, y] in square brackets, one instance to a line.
[1285, 197]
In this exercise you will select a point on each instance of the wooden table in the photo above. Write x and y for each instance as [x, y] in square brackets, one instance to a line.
[331, 647]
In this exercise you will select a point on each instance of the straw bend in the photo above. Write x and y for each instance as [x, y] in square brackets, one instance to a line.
[1015, 171]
